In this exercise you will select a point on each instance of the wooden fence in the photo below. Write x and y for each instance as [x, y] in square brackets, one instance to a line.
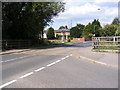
[112, 42]
[14, 44]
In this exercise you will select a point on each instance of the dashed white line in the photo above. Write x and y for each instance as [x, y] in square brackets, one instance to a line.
[1, 61]
[39, 69]
[66, 56]
[8, 83]
[58, 61]
[63, 58]
[17, 58]
[28, 74]
[51, 64]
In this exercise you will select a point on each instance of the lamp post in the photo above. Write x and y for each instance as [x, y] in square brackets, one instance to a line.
[95, 25]
[94, 30]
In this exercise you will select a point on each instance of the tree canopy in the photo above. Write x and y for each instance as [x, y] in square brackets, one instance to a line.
[111, 29]
[108, 30]
[76, 31]
[92, 28]
[50, 33]
[63, 27]
[25, 20]
[116, 21]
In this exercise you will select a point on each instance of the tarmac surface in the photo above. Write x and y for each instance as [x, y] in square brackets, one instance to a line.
[66, 66]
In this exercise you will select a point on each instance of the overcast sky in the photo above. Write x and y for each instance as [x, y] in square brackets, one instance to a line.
[85, 11]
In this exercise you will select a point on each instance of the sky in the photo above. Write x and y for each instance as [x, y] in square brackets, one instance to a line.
[85, 11]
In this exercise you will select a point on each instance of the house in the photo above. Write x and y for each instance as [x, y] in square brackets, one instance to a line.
[62, 32]
[58, 32]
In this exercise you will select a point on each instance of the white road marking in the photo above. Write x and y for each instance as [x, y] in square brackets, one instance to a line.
[66, 56]
[39, 69]
[1, 61]
[51, 64]
[28, 74]
[17, 58]
[63, 58]
[58, 61]
[8, 83]
[94, 61]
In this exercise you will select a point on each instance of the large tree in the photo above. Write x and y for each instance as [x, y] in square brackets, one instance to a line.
[116, 21]
[25, 20]
[92, 29]
[76, 31]
[108, 30]
[117, 33]
[50, 33]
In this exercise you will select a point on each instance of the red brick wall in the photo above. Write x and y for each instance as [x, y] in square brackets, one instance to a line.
[68, 33]
[58, 33]
[80, 39]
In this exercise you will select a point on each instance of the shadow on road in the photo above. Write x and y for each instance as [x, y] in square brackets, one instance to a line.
[72, 45]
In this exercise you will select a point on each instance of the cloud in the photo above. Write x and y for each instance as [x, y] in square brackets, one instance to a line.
[104, 1]
[85, 11]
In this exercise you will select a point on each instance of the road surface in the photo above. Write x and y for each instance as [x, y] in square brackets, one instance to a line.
[57, 67]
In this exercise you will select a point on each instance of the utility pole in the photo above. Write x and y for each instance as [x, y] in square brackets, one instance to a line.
[71, 23]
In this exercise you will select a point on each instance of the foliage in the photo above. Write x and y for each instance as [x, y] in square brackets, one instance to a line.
[58, 37]
[76, 31]
[63, 27]
[25, 20]
[87, 30]
[91, 29]
[108, 30]
[117, 33]
[116, 21]
[50, 33]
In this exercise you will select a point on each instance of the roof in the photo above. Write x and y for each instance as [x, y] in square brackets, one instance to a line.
[62, 30]
[59, 30]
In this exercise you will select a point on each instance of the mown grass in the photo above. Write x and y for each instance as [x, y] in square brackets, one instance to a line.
[109, 47]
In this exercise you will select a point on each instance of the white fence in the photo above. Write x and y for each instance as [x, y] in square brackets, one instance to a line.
[112, 42]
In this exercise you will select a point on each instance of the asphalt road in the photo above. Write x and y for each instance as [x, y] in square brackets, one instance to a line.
[55, 68]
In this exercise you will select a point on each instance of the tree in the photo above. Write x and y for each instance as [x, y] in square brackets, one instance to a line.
[88, 31]
[116, 21]
[25, 20]
[92, 28]
[108, 30]
[117, 33]
[63, 27]
[50, 33]
[96, 26]
[76, 31]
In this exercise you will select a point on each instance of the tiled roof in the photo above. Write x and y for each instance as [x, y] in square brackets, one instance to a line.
[62, 30]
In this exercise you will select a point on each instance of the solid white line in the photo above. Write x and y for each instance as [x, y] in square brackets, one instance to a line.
[17, 58]
[50, 64]
[39, 69]
[93, 60]
[63, 58]
[8, 83]
[28, 74]
[58, 61]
